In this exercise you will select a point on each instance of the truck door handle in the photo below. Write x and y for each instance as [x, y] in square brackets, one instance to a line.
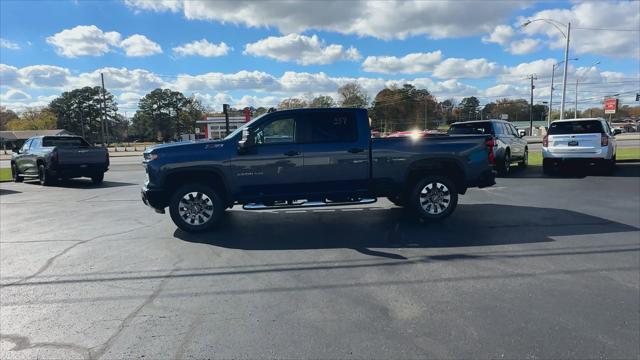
[292, 153]
[355, 150]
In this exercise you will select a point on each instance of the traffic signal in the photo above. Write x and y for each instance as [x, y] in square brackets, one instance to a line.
[225, 108]
[637, 97]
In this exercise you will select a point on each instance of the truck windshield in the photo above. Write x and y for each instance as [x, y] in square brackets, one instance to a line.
[64, 142]
[576, 127]
[239, 130]
[478, 128]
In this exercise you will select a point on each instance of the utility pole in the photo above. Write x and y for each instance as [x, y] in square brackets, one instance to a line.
[531, 77]
[575, 111]
[225, 110]
[103, 126]
[553, 71]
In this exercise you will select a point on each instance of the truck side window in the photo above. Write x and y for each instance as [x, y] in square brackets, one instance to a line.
[330, 127]
[280, 131]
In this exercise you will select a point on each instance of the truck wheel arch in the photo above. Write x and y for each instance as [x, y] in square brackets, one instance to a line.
[209, 177]
[451, 168]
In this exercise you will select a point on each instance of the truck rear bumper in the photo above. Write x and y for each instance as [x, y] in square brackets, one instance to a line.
[486, 179]
[73, 171]
[155, 199]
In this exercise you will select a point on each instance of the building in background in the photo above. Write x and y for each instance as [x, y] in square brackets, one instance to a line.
[212, 128]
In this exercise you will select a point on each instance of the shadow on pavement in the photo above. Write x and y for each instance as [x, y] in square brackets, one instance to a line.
[84, 184]
[574, 171]
[8, 192]
[365, 228]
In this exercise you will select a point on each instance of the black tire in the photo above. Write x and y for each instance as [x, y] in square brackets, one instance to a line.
[202, 214]
[43, 176]
[434, 206]
[609, 166]
[397, 201]
[548, 167]
[525, 159]
[504, 167]
[15, 174]
[97, 178]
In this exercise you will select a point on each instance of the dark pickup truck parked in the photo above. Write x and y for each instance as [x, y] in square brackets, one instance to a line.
[49, 158]
[312, 157]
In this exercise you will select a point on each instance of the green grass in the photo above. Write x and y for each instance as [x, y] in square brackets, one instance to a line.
[5, 174]
[535, 157]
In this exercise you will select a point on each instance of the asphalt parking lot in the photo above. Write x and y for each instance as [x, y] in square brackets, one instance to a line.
[534, 267]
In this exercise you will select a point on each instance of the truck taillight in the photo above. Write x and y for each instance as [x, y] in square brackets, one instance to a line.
[492, 157]
[545, 141]
[604, 140]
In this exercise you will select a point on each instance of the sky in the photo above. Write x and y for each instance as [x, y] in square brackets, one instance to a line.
[256, 53]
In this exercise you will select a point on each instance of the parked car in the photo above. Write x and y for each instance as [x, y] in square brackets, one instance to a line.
[508, 145]
[587, 141]
[326, 157]
[49, 158]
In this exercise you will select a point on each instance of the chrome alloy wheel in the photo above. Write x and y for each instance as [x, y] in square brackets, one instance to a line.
[195, 208]
[435, 198]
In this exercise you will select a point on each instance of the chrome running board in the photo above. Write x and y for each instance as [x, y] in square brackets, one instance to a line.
[307, 204]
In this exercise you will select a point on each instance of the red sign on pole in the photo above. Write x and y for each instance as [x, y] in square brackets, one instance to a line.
[610, 105]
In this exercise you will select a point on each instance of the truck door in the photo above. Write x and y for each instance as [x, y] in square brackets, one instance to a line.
[272, 165]
[23, 160]
[336, 152]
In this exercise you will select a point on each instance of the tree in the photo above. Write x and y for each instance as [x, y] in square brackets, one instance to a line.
[292, 103]
[353, 95]
[468, 107]
[80, 111]
[34, 119]
[322, 101]
[404, 108]
[164, 114]
[6, 115]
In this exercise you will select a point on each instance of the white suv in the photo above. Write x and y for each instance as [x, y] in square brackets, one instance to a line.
[581, 140]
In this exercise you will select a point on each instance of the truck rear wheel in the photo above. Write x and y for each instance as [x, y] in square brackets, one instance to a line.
[43, 176]
[97, 178]
[196, 207]
[434, 197]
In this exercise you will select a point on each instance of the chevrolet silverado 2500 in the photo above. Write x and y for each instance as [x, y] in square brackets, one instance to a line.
[312, 157]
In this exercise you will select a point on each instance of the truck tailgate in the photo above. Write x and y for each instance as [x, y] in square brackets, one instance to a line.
[81, 156]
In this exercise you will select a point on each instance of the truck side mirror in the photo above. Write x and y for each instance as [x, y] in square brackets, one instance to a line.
[617, 132]
[244, 143]
[16, 150]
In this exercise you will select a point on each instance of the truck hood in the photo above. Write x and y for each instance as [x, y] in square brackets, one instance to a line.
[183, 145]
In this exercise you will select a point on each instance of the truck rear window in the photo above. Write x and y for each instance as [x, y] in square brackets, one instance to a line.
[64, 142]
[576, 127]
[471, 129]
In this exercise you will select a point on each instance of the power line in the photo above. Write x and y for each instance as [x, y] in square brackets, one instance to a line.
[605, 29]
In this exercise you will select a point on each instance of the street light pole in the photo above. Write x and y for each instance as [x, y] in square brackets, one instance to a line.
[564, 76]
[553, 71]
[567, 36]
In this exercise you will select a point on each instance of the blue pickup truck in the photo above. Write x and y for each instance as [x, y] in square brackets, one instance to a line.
[312, 157]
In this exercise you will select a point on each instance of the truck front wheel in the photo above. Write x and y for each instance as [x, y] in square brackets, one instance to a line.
[196, 207]
[434, 197]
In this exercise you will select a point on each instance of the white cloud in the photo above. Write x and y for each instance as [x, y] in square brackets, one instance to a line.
[6, 44]
[464, 68]
[130, 80]
[408, 64]
[542, 68]
[44, 76]
[202, 48]
[501, 35]
[139, 45]
[586, 19]
[89, 40]
[245, 80]
[305, 50]
[14, 95]
[83, 41]
[524, 46]
[155, 5]
[381, 19]
[9, 75]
